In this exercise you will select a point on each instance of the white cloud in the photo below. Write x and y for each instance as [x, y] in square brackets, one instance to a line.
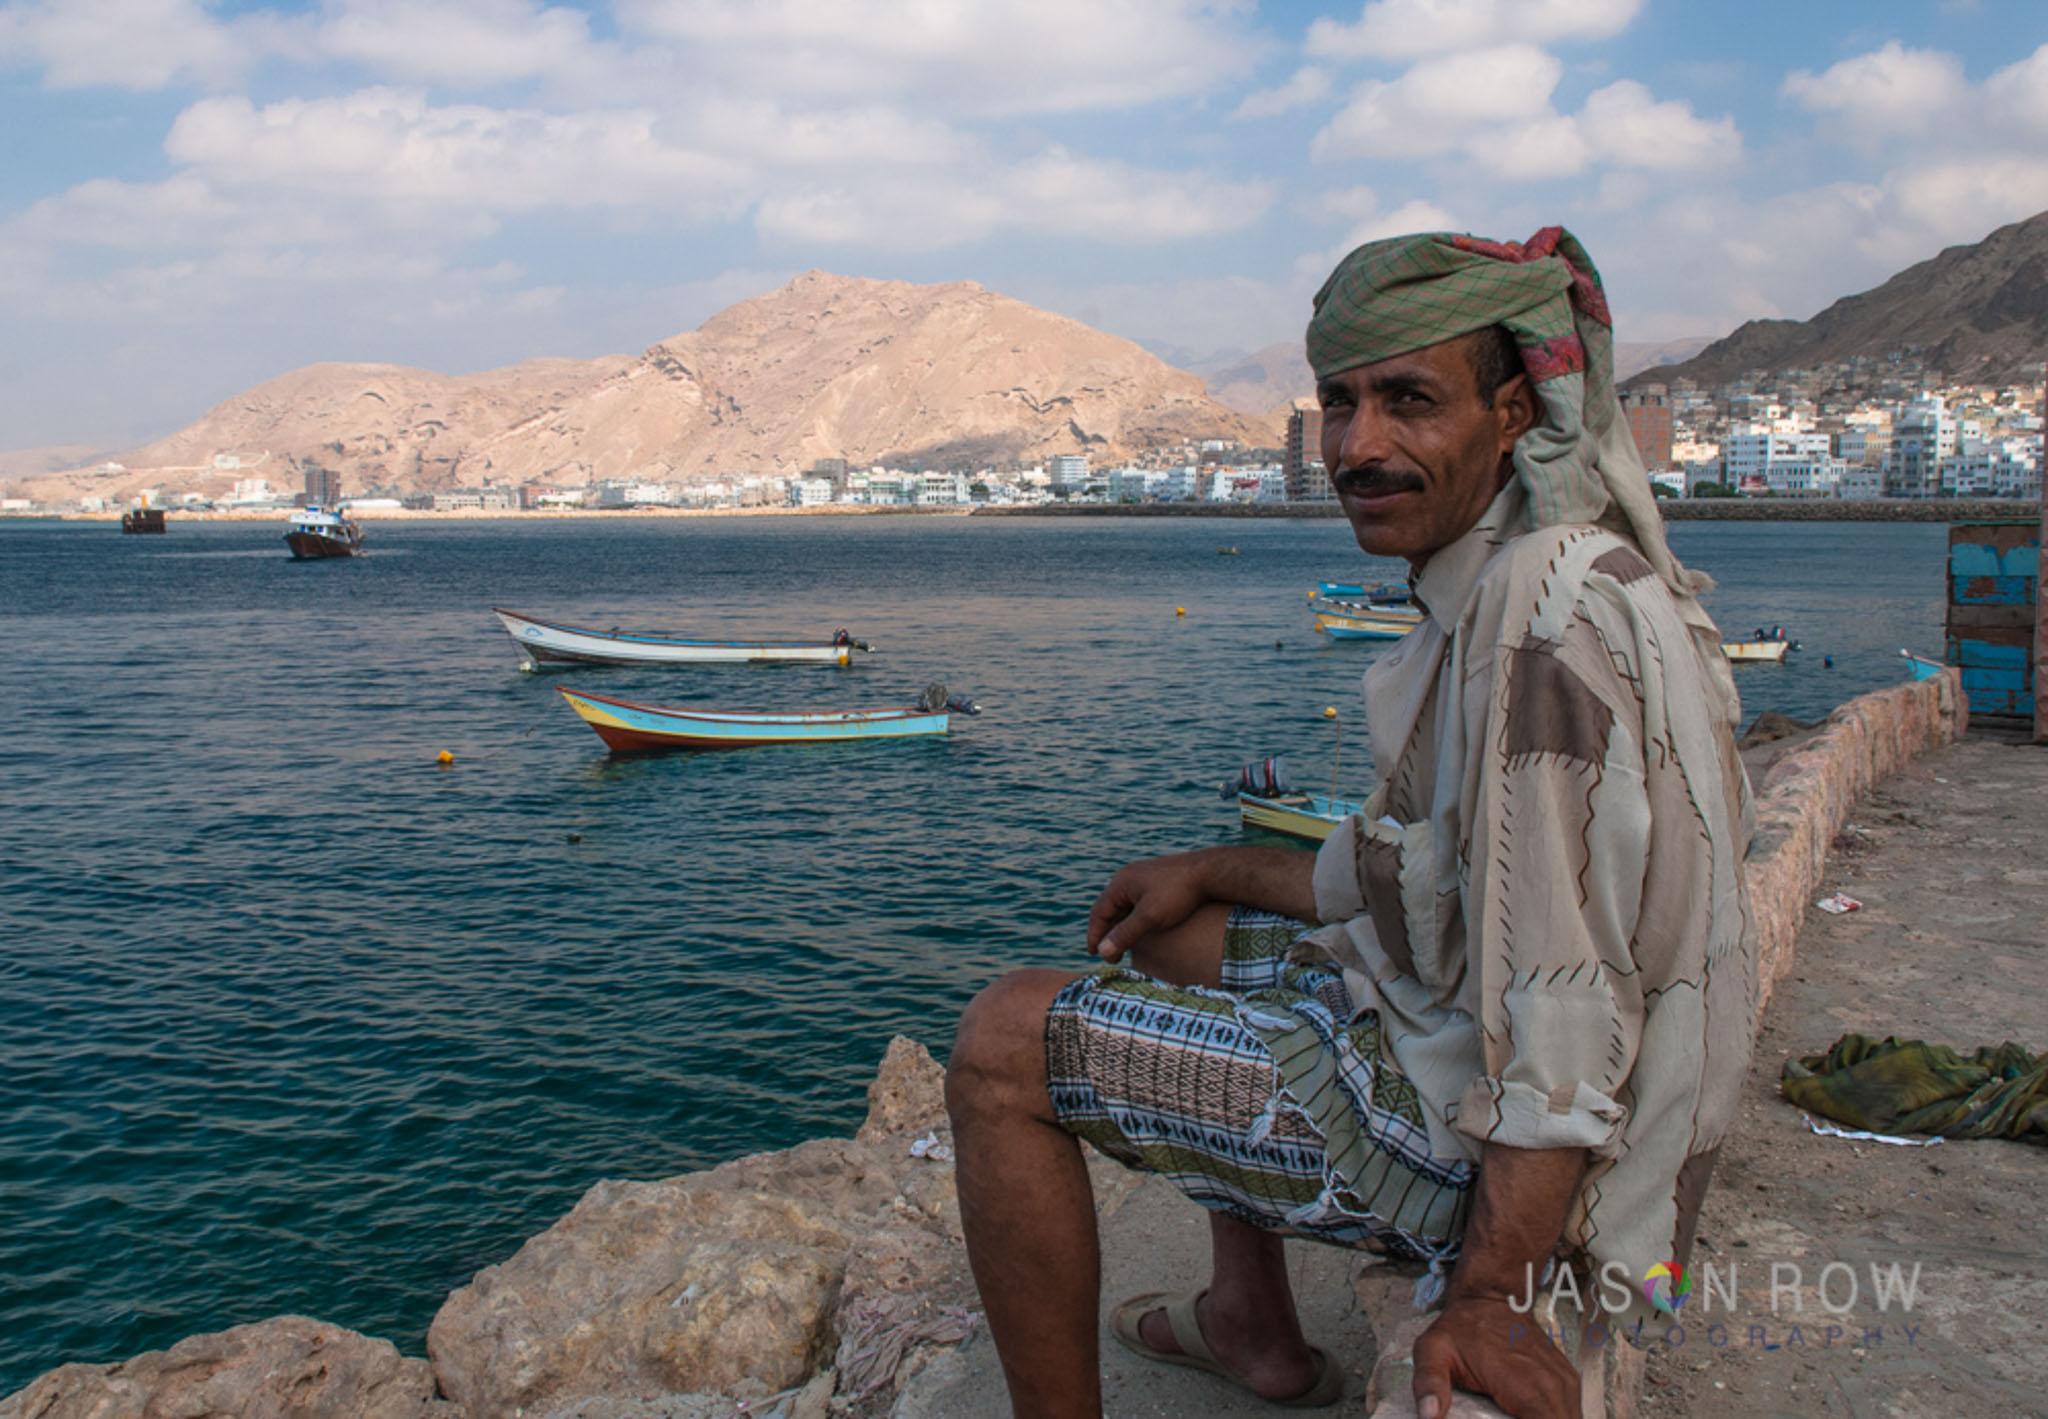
[988, 56]
[134, 44]
[2018, 95]
[1892, 90]
[1055, 192]
[457, 41]
[1407, 29]
[1494, 107]
[1303, 87]
[1441, 104]
[1625, 125]
[384, 146]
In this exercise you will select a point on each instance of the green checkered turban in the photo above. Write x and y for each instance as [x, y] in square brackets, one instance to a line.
[1578, 465]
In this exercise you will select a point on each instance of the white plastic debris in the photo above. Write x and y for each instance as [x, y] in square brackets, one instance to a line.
[1840, 902]
[930, 1147]
[1829, 1130]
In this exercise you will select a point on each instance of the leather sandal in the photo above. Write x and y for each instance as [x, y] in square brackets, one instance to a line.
[1326, 1389]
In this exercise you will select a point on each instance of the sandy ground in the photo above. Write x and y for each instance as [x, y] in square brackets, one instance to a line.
[1950, 860]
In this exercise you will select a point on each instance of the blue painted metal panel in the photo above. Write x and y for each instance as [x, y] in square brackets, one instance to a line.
[1988, 656]
[1992, 590]
[1967, 559]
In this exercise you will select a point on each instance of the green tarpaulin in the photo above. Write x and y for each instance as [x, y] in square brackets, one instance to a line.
[1909, 1086]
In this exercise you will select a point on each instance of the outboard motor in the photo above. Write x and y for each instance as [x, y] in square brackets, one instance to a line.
[960, 704]
[1263, 778]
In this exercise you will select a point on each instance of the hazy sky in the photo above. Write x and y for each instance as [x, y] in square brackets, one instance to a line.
[196, 196]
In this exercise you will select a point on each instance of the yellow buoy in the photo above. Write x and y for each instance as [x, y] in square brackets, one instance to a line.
[1311, 593]
[1329, 711]
[1180, 610]
[444, 758]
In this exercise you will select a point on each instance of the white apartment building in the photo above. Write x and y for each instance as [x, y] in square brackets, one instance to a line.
[1923, 435]
[1993, 468]
[1819, 477]
[1748, 452]
[1860, 482]
[810, 492]
[1068, 470]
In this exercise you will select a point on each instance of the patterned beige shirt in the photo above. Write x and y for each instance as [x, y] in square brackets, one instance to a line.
[1543, 898]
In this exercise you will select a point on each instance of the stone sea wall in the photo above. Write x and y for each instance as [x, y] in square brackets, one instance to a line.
[1674, 510]
[831, 1278]
[1804, 795]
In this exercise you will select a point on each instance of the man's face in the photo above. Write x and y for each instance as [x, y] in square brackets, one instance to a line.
[1413, 450]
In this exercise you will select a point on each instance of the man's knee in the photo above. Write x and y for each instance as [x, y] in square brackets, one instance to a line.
[998, 1054]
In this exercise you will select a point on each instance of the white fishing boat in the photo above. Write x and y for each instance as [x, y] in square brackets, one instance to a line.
[1755, 652]
[317, 534]
[548, 642]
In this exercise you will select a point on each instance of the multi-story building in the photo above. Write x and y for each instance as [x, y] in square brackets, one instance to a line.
[1648, 412]
[1815, 477]
[1923, 435]
[323, 486]
[1068, 470]
[1747, 453]
[1303, 472]
[810, 492]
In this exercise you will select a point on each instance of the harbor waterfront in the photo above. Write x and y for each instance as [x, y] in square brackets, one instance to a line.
[300, 1020]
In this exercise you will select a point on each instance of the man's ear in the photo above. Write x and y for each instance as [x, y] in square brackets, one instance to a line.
[1518, 408]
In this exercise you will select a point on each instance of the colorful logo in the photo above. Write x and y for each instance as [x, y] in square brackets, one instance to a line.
[1666, 1285]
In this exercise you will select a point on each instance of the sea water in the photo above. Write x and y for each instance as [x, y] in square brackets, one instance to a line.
[292, 1018]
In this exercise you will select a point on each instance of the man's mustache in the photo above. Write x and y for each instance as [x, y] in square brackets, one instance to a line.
[1373, 480]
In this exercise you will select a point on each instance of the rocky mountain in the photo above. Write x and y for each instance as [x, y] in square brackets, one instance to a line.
[1634, 356]
[1973, 312]
[1258, 382]
[826, 367]
[1264, 383]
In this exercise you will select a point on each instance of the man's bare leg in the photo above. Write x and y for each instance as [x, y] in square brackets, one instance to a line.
[1248, 1316]
[1025, 1202]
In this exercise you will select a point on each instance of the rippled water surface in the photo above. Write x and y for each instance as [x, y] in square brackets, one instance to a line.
[291, 1019]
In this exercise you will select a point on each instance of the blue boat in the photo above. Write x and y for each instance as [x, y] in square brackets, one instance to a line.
[1389, 592]
[1920, 666]
[630, 727]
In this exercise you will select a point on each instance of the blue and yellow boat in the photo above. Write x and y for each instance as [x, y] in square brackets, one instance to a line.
[1313, 816]
[1377, 625]
[629, 727]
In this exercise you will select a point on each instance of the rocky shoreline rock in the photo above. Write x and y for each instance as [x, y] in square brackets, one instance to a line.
[766, 1285]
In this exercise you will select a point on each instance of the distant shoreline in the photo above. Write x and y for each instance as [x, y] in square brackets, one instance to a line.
[1674, 510]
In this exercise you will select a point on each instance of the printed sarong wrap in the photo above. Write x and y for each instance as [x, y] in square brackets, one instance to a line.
[1578, 465]
[1269, 1100]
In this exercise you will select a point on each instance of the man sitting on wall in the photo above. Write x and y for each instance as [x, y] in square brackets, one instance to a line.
[1519, 1029]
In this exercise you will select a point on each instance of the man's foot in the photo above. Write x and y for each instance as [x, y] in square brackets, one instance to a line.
[1274, 1365]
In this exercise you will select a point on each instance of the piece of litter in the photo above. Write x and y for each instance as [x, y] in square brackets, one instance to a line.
[930, 1147]
[688, 1293]
[1840, 902]
[1829, 1130]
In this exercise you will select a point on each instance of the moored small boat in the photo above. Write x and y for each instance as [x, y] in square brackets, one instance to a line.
[1313, 816]
[1920, 667]
[547, 642]
[142, 519]
[629, 727]
[317, 534]
[1386, 591]
[1364, 625]
[1756, 652]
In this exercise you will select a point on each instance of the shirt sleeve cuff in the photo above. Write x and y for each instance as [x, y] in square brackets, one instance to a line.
[1522, 1116]
[1337, 893]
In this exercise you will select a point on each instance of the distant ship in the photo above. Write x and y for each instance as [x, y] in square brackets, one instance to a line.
[143, 518]
[317, 533]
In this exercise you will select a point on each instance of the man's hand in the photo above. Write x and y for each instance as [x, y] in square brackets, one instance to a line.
[1482, 1345]
[1154, 894]
[1159, 893]
[1480, 1342]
